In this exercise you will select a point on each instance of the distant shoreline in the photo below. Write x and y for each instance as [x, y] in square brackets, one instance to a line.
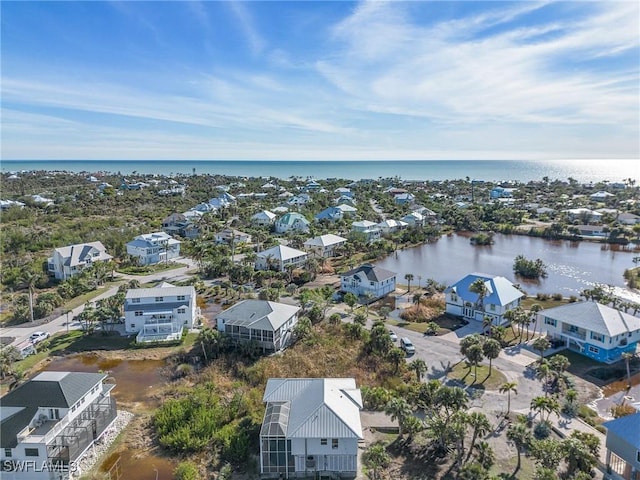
[591, 171]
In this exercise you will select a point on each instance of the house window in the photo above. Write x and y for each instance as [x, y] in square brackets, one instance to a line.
[334, 443]
[454, 297]
[135, 300]
[323, 441]
[549, 321]
[139, 314]
[181, 298]
[133, 325]
[597, 337]
[182, 310]
[159, 299]
[8, 453]
[593, 349]
[492, 307]
[31, 452]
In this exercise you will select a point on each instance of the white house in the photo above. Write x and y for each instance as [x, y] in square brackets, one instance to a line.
[601, 196]
[324, 245]
[264, 218]
[583, 214]
[71, 260]
[279, 258]
[390, 226]
[368, 228]
[413, 219]
[500, 297]
[49, 422]
[268, 323]
[292, 221]
[623, 448]
[160, 313]
[311, 428]
[592, 329]
[368, 281]
[152, 248]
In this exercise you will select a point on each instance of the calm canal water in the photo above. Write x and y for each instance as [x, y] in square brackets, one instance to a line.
[137, 382]
[571, 266]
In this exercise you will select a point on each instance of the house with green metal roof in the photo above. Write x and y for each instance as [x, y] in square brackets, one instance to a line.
[292, 221]
[49, 422]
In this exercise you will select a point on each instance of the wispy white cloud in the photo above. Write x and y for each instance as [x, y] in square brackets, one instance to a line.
[387, 83]
[247, 25]
[495, 77]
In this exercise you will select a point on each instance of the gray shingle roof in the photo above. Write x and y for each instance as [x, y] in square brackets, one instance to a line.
[372, 272]
[258, 314]
[47, 389]
[77, 254]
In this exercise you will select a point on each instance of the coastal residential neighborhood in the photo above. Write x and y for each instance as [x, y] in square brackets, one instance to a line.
[242, 327]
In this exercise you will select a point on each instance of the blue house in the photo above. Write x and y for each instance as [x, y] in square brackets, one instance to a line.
[596, 331]
[500, 297]
[623, 447]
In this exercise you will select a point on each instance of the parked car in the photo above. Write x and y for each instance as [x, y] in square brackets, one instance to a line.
[37, 337]
[407, 346]
[394, 337]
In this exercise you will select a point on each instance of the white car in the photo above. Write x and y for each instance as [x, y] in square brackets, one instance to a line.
[394, 337]
[37, 337]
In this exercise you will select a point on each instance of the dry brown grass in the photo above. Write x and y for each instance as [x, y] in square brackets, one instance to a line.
[429, 309]
[330, 353]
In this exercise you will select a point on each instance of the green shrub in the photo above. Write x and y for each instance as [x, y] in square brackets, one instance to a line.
[187, 471]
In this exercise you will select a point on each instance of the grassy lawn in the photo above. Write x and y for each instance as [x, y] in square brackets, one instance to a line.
[148, 269]
[447, 324]
[527, 302]
[502, 465]
[87, 297]
[466, 374]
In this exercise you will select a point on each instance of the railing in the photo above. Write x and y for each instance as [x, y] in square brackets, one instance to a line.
[575, 334]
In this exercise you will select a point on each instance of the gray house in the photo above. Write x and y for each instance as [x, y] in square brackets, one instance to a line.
[623, 448]
[268, 323]
[52, 420]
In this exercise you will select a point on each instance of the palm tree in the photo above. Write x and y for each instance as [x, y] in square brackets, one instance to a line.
[480, 288]
[535, 308]
[419, 366]
[519, 434]
[507, 388]
[480, 424]
[627, 356]
[409, 278]
[398, 409]
[29, 279]
[491, 349]
[375, 458]
[484, 455]
[541, 344]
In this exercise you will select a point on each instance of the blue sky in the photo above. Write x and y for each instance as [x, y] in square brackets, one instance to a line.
[320, 80]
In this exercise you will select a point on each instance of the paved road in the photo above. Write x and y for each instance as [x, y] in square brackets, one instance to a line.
[21, 333]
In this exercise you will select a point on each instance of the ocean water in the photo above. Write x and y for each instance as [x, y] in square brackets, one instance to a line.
[583, 171]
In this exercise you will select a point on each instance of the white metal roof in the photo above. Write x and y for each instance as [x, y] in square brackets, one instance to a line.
[281, 252]
[325, 240]
[594, 317]
[318, 407]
